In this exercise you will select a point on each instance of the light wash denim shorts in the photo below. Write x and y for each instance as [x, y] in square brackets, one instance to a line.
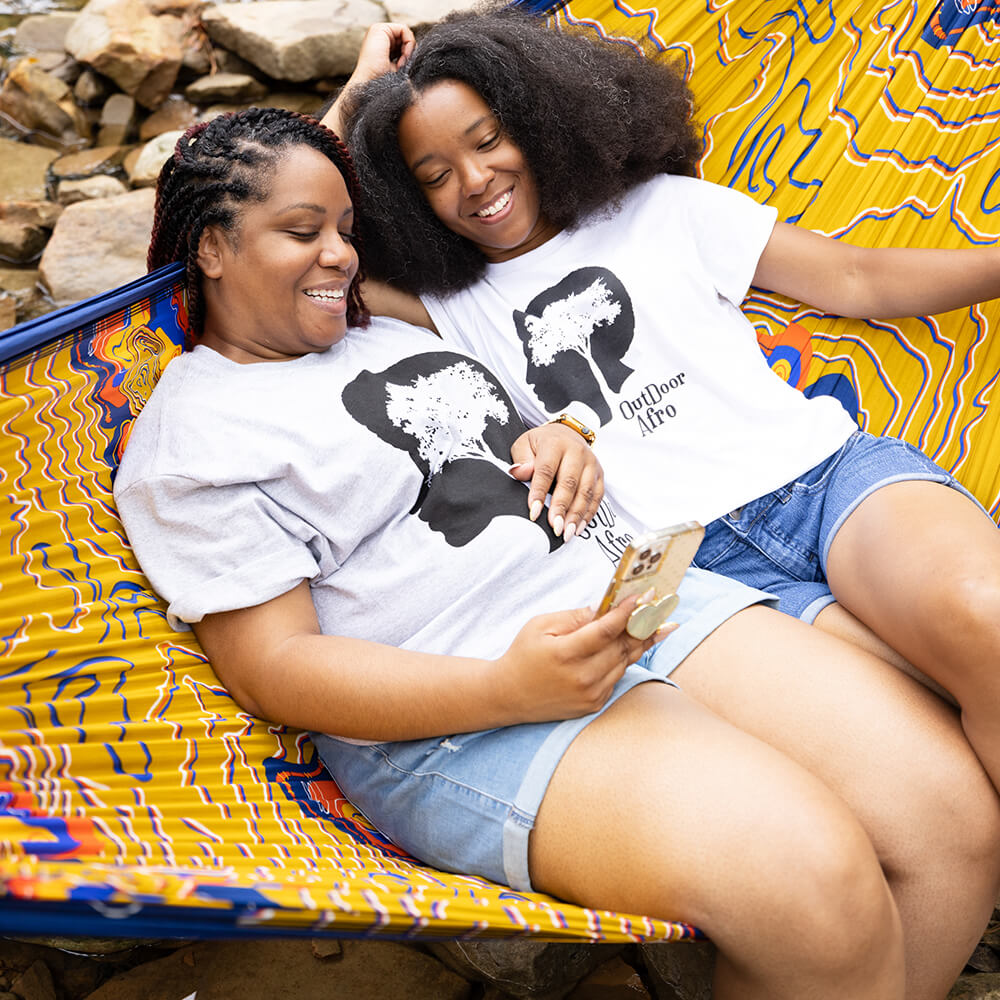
[467, 803]
[780, 541]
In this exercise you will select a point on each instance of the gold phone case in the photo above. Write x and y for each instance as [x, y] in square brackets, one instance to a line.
[657, 560]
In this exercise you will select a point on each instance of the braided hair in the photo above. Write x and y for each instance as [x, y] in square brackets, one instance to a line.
[221, 164]
[592, 119]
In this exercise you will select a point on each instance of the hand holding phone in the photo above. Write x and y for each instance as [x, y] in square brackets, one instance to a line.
[654, 561]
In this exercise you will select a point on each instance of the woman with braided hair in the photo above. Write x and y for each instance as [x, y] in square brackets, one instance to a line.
[325, 500]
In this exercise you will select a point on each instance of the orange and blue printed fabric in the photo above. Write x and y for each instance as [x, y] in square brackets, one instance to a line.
[136, 798]
[131, 784]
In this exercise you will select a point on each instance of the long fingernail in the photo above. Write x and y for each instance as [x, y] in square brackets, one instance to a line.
[647, 597]
[515, 467]
[557, 524]
[536, 509]
[570, 531]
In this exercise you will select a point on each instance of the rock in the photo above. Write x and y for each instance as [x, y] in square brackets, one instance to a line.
[418, 13]
[23, 170]
[43, 214]
[305, 104]
[20, 241]
[985, 986]
[91, 88]
[98, 245]
[523, 968]
[88, 162]
[230, 62]
[613, 980]
[21, 284]
[43, 107]
[225, 87]
[144, 170]
[232, 970]
[679, 971]
[8, 311]
[294, 39]
[60, 65]
[174, 114]
[122, 40]
[35, 983]
[117, 124]
[86, 188]
[44, 32]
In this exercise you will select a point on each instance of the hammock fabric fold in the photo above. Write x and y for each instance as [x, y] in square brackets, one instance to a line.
[137, 799]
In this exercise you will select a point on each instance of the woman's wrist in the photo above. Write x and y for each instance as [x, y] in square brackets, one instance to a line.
[568, 420]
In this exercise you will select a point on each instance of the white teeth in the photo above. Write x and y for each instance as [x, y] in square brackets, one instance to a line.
[326, 296]
[499, 204]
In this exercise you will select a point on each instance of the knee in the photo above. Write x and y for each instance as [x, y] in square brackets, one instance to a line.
[842, 907]
[970, 606]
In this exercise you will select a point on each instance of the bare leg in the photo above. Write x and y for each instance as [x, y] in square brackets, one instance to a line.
[892, 750]
[837, 620]
[687, 829]
[920, 565]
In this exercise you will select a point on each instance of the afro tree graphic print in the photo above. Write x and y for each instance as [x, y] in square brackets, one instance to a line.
[457, 424]
[574, 337]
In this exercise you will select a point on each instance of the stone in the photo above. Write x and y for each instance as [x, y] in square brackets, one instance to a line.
[20, 242]
[35, 983]
[232, 970]
[174, 114]
[42, 106]
[21, 284]
[43, 214]
[613, 980]
[230, 62]
[60, 65]
[305, 104]
[122, 40]
[419, 13]
[23, 170]
[44, 32]
[525, 968]
[984, 986]
[144, 170]
[117, 122]
[294, 40]
[91, 88]
[8, 311]
[98, 245]
[225, 87]
[88, 162]
[86, 188]
[680, 970]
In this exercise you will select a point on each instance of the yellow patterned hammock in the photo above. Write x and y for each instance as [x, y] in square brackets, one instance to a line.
[136, 798]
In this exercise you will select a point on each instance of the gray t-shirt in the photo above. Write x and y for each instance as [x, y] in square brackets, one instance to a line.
[376, 470]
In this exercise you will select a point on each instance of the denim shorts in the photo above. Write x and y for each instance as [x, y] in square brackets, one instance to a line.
[467, 803]
[780, 542]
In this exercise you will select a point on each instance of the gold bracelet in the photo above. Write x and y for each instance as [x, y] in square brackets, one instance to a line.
[581, 428]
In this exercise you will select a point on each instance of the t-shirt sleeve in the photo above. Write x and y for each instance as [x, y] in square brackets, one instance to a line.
[730, 231]
[208, 548]
[453, 318]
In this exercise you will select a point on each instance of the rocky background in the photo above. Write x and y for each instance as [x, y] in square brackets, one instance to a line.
[91, 104]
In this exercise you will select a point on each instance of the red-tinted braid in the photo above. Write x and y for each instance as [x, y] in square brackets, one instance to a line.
[218, 166]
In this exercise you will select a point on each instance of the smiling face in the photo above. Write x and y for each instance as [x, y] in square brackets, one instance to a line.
[473, 176]
[277, 288]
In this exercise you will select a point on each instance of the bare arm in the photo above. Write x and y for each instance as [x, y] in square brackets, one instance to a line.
[385, 300]
[277, 665]
[385, 48]
[875, 283]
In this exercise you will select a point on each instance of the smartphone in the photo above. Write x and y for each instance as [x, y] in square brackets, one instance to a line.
[657, 560]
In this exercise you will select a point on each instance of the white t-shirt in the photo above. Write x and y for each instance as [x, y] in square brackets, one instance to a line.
[376, 470]
[632, 320]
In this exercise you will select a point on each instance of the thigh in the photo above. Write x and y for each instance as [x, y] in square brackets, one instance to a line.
[661, 807]
[890, 748]
[911, 561]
